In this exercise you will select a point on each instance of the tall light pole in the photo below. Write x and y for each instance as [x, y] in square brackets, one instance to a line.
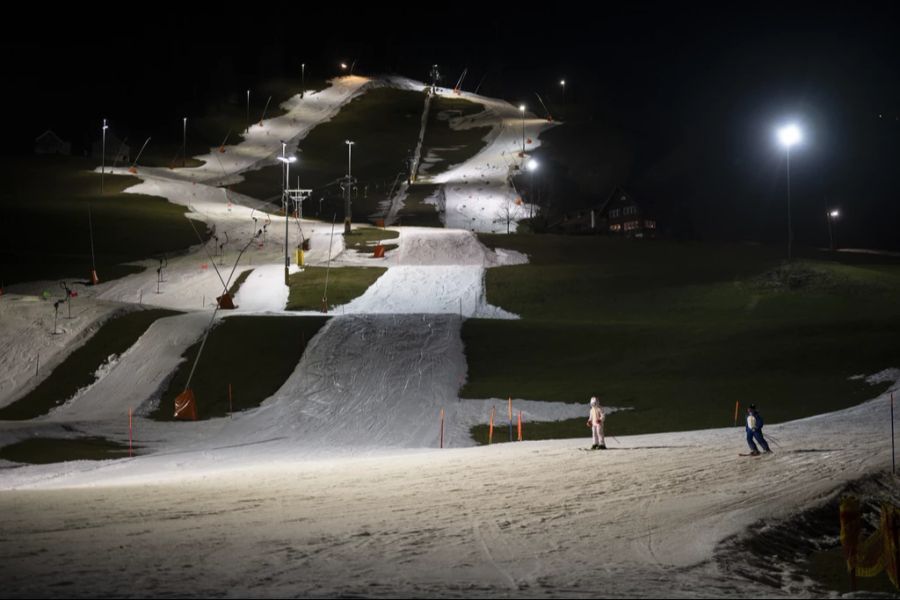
[302, 79]
[831, 216]
[789, 136]
[348, 186]
[184, 143]
[562, 82]
[286, 174]
[522, 110]
[103, 154]
[532, 167]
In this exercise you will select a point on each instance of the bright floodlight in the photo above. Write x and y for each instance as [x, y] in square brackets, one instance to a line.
[532, 165]
[789, 135]
[835, 214]
[343, 65]
[287, 159]
[522, 107]
[562, 82]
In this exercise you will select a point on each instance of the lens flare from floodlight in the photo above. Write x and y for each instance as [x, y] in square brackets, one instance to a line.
[789, 135]
[834, 214]
[522, 107]
[532, 165]
[562, 82]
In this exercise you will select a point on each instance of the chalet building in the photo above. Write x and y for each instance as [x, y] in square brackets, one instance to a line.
[50, 143]
[116, 150]
[622, 215]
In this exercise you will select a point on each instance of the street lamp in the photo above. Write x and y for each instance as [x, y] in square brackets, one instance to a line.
[184, 144]
[789, 136]
[287, 160]
[830, 216]
[562, 82]
[532, 167]
[348, 186]
[522, 110]
[103, 154]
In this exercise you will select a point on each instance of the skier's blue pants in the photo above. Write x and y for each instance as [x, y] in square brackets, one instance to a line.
[758, 436]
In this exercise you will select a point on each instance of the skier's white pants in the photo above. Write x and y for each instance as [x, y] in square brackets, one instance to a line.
[598, 434]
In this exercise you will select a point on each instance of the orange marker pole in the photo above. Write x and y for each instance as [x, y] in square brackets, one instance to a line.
[737, 403]
[520, 425]
[491, 430]
[442, 428]
[129, 433]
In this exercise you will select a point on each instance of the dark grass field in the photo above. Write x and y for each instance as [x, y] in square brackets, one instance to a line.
[223, 122]
[308, 287]
[384, 124]
[114, 337]
[680, 332]
[451, 146]
[255, 355]
[41, 451]
[44, 207]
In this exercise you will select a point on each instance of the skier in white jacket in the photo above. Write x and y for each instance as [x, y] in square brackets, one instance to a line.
[595, 422]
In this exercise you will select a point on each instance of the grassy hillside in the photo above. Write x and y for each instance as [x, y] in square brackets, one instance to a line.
[44, 214]
[307, 288]
[384, 123]
[679, 332]
[113, 338]
[255, 355]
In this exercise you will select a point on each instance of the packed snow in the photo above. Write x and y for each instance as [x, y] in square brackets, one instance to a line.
[337, 484]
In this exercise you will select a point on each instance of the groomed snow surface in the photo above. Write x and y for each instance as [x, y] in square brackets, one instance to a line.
[336, 485]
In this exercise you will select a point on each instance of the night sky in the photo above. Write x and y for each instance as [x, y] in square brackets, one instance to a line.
[682, 99]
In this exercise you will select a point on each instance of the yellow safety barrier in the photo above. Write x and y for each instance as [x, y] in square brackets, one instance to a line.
[878, 552]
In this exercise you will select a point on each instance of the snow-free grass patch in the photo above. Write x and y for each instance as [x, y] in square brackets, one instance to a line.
[445, 145]
[679, 332]
[40, 451]
[80, 368]
[308, 287]
[384, 124]
[364, 239]
[255, 355]
[44, 208]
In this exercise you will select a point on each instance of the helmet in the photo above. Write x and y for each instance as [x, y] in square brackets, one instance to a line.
[594, 401]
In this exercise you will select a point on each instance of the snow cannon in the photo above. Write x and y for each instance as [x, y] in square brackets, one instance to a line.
[225, 302]
[186, 406]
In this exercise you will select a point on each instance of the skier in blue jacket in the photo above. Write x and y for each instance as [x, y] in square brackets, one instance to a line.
[754, 431]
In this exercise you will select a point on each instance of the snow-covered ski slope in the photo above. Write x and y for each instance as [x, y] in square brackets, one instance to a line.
[335, 485]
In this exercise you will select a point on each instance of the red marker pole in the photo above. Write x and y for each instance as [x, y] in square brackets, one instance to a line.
[442, 428]
[520, 425]
[491, 429]
[737, 403]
